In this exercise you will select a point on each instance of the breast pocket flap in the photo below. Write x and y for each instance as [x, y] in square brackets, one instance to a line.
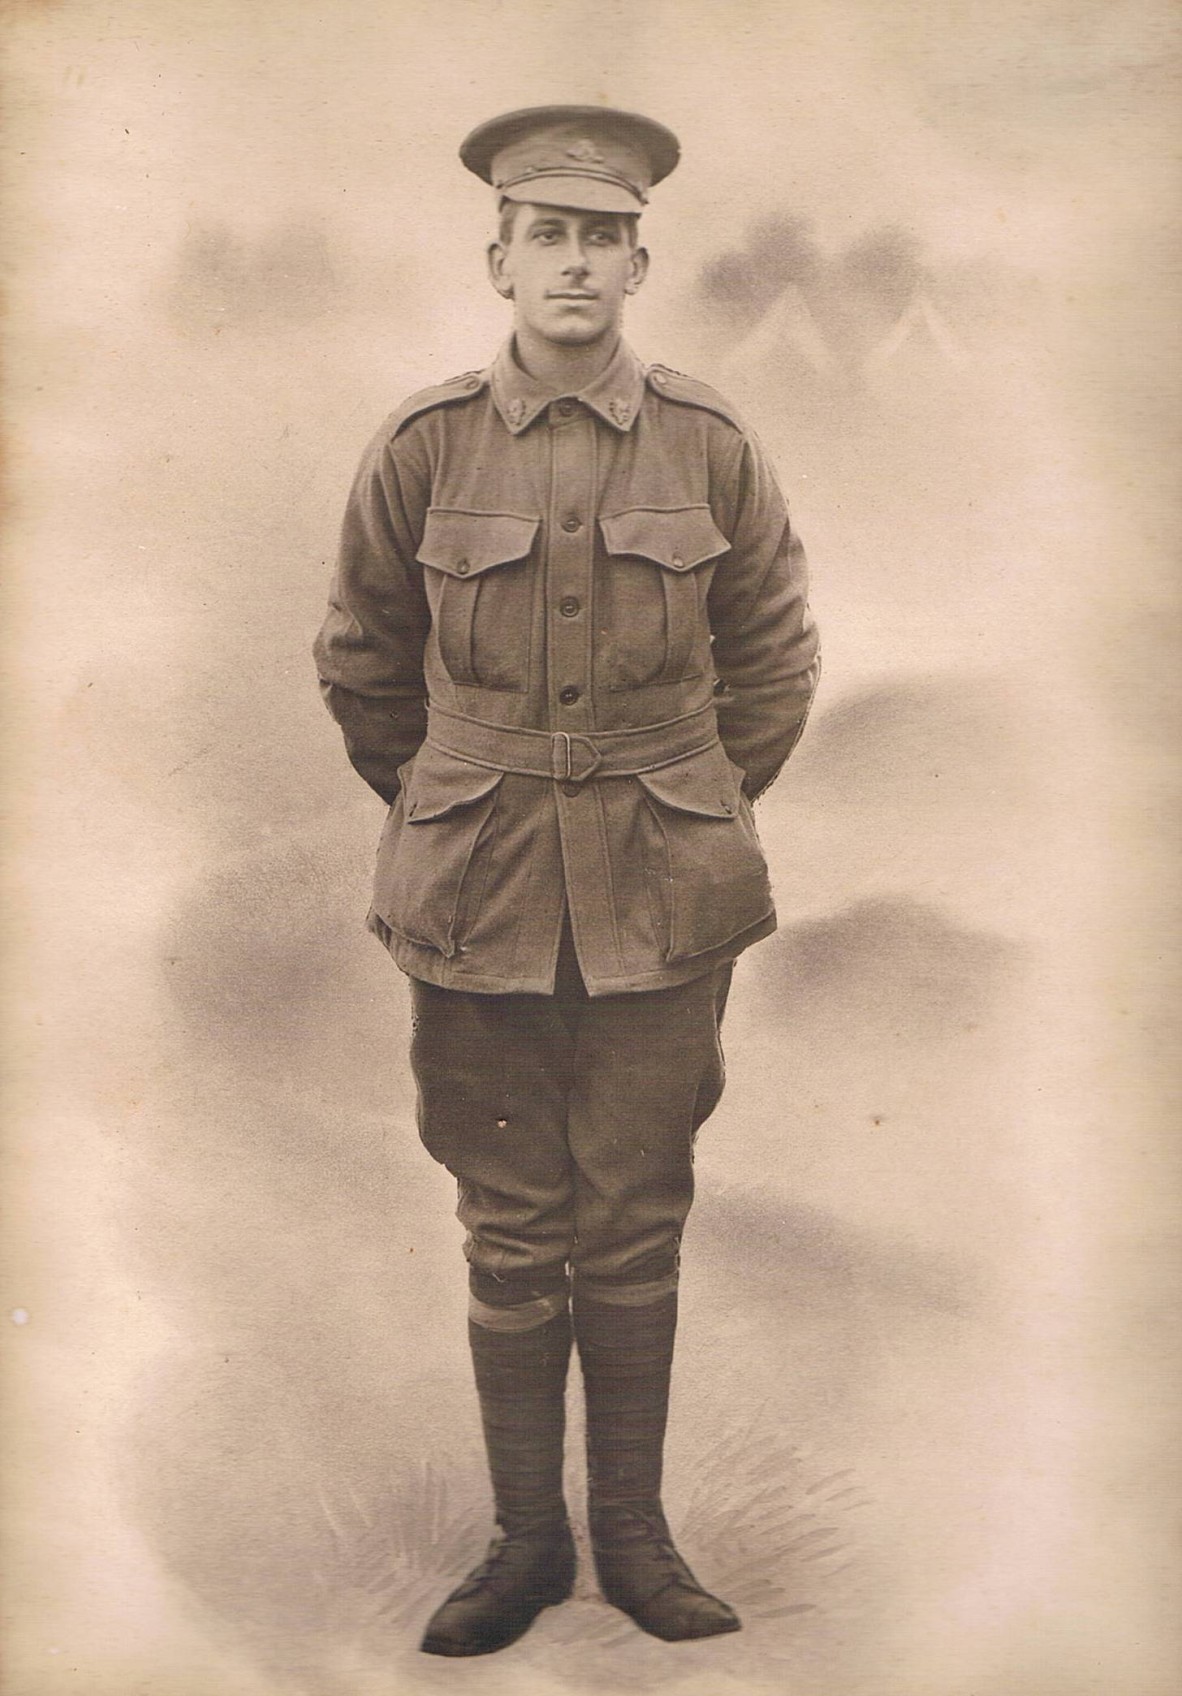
[679, 538]
[463, 544]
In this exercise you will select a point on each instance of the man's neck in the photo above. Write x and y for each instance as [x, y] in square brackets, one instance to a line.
[565, 370]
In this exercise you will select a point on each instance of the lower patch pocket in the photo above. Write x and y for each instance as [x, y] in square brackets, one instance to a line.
[441, 822]
[708, 867]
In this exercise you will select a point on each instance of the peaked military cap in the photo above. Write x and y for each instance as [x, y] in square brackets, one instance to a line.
[592, 158]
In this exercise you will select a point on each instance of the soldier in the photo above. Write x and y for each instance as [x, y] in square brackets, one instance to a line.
[569, 644]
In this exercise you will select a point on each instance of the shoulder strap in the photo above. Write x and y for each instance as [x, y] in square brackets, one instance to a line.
[464, 387]
[688, 391]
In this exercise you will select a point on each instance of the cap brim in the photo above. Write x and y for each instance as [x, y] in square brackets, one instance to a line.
[580, 194]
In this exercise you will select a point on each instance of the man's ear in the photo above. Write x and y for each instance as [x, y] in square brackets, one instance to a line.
[639, 270]
[496, 270]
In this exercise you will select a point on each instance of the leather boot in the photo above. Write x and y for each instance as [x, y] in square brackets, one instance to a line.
[530, 1564]
[626, 1355]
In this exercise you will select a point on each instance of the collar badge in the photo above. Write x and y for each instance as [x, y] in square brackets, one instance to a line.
[515, 411]
[620, 410]
[586, 152]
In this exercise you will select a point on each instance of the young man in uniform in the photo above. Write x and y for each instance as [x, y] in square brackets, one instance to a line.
[569, 644]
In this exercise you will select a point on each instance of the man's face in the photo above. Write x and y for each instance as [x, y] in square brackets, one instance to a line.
[567, 272]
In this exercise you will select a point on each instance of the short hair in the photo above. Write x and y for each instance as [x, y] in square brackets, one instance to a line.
[510, 208]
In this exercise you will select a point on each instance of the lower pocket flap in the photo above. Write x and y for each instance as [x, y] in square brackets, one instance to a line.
[705, 783]
[440, 782]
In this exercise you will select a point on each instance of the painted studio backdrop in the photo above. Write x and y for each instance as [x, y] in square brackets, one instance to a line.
[923, 1391]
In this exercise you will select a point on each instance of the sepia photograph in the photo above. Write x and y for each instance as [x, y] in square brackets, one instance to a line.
[591, 786]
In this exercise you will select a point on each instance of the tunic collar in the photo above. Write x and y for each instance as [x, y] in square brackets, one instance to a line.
[614, 396]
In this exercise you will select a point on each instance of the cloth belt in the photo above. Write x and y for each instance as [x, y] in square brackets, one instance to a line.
[572, 756]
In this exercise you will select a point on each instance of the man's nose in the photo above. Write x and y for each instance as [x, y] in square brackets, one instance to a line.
[576, 259]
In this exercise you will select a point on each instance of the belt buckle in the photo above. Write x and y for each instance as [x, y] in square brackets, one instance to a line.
[562, 757]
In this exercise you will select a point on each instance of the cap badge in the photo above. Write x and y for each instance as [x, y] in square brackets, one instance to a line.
[515, 411]
[620, 410]
[586, 152]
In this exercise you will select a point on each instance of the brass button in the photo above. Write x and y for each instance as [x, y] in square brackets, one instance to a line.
[677, 562]
[570, 606]
[463, 567]
[569, 695]
[572, 522]
[565, 408]
[728, 806]
[572, 789]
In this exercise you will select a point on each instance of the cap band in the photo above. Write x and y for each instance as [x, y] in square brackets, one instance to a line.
[536, 172]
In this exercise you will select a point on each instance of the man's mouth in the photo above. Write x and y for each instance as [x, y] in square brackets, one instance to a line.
[571, 294]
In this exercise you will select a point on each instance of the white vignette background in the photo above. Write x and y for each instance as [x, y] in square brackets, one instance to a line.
[932, 253]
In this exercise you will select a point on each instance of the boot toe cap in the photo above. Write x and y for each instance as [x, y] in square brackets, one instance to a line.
[457, 1631]
[679, 1614]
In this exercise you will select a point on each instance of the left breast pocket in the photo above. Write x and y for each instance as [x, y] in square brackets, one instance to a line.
[654, 593]
[480, 584]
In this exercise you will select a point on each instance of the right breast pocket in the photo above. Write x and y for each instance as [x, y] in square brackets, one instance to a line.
[480, 577]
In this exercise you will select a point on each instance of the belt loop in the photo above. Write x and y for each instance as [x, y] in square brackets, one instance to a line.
[558, 738]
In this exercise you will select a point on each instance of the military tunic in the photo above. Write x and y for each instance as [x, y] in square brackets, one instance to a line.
[568, 643]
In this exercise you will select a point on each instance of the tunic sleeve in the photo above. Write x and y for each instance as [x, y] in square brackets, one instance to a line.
[764, 639]
[369, 653]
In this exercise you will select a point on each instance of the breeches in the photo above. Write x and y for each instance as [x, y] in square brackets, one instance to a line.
[569, 1122]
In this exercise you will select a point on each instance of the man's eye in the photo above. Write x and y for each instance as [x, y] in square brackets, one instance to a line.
[548, 236]
[603, 238]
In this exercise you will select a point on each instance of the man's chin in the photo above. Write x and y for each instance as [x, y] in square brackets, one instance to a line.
[575, 334]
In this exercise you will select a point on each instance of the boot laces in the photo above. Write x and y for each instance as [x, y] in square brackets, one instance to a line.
[630, 1522]
[644, 1532]
[507, 1561]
